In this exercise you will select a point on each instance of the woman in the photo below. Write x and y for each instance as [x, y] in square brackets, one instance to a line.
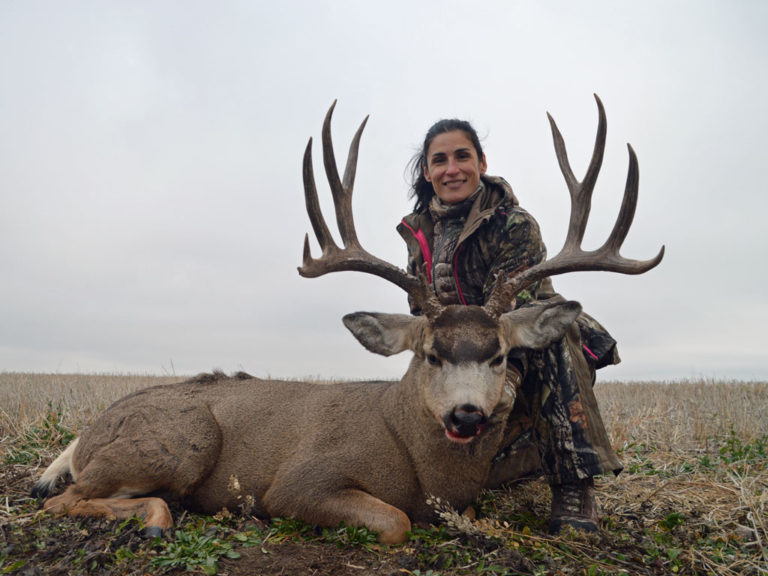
[468, 227]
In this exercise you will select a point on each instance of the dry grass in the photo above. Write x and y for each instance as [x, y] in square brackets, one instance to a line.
[683, 414]
[26, 398]
[693, 498]
[670, 416]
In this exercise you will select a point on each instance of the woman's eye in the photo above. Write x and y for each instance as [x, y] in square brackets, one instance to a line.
[433, 360]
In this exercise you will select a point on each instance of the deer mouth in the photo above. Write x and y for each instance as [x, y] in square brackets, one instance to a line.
[464, 423]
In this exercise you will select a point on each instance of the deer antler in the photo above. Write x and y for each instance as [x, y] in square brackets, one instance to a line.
[572, 258]
[352, 256]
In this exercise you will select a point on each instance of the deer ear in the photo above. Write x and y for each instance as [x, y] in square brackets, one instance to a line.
[538, 326]
[385, 334]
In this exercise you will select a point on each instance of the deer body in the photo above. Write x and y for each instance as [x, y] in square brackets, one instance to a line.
[367, 453]
[285, 443]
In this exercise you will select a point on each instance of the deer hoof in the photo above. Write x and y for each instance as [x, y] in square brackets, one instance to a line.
[152, 532]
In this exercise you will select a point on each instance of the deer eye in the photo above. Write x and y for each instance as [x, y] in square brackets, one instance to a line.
[498, 361]
[433, 360]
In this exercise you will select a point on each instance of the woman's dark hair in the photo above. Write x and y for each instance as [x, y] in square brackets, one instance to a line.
[420, 188]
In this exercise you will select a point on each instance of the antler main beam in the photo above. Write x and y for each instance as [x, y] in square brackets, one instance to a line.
[352, 256]
[606, 258]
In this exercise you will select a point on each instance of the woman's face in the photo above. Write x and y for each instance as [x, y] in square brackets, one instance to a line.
[453, 167]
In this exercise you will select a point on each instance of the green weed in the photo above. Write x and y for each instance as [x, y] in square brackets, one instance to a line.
[672, 520]
[290, 529]
[636, 458]
[344, 536]
[48, 436]
[197, 549]
[735, 451]
[9, 568]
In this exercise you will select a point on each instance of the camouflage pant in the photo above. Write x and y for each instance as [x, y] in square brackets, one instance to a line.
[555, 427]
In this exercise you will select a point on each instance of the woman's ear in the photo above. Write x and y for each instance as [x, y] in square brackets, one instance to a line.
[483, 165]
[426, 172]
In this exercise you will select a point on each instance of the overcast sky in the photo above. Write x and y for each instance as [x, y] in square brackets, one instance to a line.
[151, 203]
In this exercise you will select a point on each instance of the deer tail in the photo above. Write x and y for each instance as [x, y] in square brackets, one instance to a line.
[45, 486]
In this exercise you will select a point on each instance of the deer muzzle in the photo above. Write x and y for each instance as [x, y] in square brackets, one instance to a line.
[464, 423]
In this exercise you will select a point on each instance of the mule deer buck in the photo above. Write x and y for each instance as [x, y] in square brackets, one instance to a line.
[365, 454]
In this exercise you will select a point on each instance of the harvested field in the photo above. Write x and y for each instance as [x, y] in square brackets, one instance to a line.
[692, 499]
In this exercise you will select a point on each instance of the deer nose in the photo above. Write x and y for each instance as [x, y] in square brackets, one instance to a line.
[465, 421]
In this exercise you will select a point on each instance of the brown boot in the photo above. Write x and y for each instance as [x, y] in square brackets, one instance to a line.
[574, 505]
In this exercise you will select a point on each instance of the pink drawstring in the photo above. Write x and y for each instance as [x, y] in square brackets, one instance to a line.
[592, 354]
[424, 245]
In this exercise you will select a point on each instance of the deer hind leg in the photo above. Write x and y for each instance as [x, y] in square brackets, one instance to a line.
[172, 454]
[103, 489]
[115, 493]
[154, 511]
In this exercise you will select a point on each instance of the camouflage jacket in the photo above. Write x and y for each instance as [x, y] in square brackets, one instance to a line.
[497, 236]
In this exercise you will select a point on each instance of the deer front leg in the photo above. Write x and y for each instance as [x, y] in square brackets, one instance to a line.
[154, 511]
[357, 508]
[351, 506]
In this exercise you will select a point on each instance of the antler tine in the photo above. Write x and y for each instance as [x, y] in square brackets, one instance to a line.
[580, 192]
[352, 257]
[351, 167]
[628, 205]
[322, 233]
[624, 222]
[571, 257]
[342, 191]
